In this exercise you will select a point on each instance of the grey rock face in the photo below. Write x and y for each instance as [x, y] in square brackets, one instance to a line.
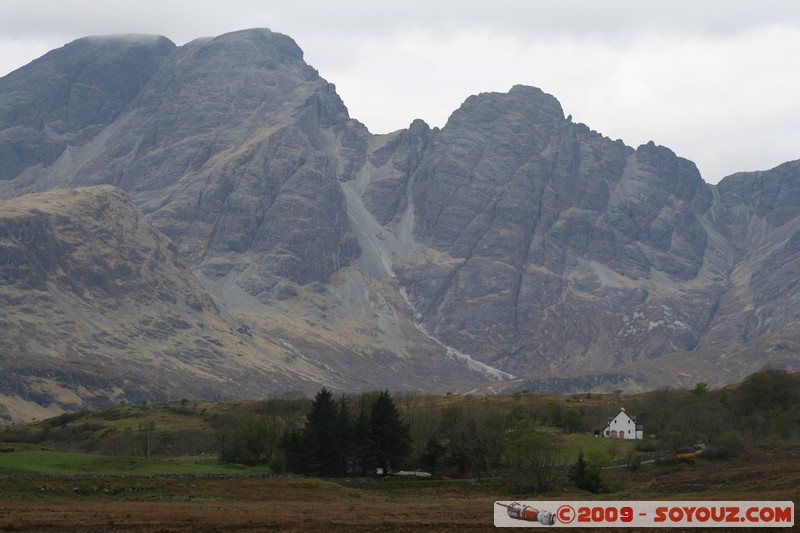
[552, 234]
[397, 160]
[231, 147]
[510, 241]
[757, 213]
[67, 96]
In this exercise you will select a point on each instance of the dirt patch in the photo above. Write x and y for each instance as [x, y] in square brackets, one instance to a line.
[239, 505]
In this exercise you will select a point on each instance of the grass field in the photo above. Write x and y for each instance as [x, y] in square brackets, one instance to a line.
[32, 460]
[60, 463]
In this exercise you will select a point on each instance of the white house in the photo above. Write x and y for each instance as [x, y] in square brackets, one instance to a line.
[623, 426]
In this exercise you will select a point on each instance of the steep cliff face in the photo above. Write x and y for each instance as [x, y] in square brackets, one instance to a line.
[544, 249]
[510, 248]
[758, 214]
[558, 249]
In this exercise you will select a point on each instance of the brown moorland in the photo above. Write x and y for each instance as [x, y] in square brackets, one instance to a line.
[296, 504]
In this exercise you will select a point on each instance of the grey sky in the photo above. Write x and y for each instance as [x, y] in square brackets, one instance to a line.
[715, 80]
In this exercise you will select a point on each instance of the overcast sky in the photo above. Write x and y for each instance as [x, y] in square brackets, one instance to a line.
[717, 81]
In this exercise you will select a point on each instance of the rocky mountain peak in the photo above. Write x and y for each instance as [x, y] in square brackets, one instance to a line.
[113, 68]
[227, 145]
[255, 42]
[520, 105]
[512, 246]
[69, 95]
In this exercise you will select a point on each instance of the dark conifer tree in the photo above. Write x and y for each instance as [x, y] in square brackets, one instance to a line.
[320, 436]
[363, 458]
[344, 439]
[391, 438]
[585, 476]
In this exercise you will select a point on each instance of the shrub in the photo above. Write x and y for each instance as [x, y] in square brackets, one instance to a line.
[726, 446]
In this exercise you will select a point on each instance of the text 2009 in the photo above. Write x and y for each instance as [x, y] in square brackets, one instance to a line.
[604, 514]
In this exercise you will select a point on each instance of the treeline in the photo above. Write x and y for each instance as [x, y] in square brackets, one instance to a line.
[518, 435]
[763, 409]
[477, 436]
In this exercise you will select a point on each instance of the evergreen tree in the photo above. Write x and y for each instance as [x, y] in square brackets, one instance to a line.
[320, 436]
[363, 458]
[343, 447]
[391, 438]
[334, 443]
[585, 476]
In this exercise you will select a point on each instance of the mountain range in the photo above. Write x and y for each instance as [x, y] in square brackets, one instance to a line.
[208, 221]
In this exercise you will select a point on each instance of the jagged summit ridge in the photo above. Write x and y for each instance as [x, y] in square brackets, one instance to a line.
[510, 242]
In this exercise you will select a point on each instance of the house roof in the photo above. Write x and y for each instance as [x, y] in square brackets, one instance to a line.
[621, 410]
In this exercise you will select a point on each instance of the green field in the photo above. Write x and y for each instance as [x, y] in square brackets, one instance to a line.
[34, 461]
[45, 462]
[31, 460]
